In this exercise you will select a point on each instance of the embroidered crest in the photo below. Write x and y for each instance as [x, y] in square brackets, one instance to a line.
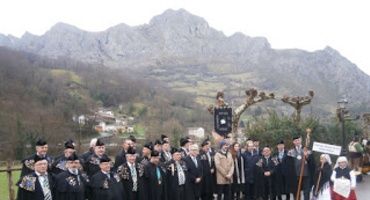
[28, 183]
[71, 181]
[203, 157]
[140, 168]
[29, 164]
[105, 184]
[123, 172]
[116, 176]
[85, 177]
[275, 160]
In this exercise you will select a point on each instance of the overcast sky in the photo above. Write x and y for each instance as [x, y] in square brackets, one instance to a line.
[305, 24]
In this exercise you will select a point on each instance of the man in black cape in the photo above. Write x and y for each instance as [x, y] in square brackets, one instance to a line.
[37, 185]
[59, 165]
[91, 166]
[121, 156]
[250, 160]
[41, 151]
[264, 172]
[145, 153]
[294, 161]
[84, 156]
[281, 172]
[207, 188]
[71, 184]
[176, 171]
[105, 184]
[132, 175]
[155, 178]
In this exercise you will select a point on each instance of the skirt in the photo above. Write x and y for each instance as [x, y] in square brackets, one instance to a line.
[352, 196]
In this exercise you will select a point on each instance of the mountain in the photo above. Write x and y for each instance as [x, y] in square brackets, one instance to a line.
[184, 52]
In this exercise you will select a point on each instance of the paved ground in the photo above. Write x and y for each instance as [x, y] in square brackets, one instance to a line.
[363, 188]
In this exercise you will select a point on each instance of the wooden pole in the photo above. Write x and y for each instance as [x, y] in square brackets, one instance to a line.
[303, 161]
[318, 181]
[10, 180]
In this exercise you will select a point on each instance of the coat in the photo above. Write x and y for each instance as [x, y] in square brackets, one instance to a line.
[29, 187]
[128, 182]
[104, 188]
[224, 167]
[209, 177]
[155, 186]
[70, 186]
[194, 172]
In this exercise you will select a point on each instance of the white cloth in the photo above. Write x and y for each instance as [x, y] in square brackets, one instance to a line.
[342, 187]
[325, 193]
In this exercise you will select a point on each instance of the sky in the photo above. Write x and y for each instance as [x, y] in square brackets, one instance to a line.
[304, 24]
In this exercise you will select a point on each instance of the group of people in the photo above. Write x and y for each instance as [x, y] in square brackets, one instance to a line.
[161, 171]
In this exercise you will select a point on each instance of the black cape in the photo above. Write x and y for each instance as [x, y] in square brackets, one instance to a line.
[127, 181]
[69, 186]
[104, 188]
[155, 186]
[29, 187]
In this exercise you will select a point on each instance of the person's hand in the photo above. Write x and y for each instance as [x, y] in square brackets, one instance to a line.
[212, 171]
[353, 188]
[305, 153]
[197, 180]
[229, 176]
[268, 173]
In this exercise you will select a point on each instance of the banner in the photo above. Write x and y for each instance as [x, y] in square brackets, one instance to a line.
[327, 148]
[223, 121]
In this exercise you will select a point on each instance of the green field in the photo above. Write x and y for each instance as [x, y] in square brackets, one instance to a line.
[4, 193]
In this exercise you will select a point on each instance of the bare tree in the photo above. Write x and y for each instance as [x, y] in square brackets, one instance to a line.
[297, 103]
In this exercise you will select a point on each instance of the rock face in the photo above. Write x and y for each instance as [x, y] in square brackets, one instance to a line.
[183, 50]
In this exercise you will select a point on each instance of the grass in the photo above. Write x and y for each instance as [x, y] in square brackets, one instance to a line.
[4, 192]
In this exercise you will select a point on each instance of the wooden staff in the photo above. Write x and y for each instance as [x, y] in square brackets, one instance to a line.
[318, 180]
[298, 196]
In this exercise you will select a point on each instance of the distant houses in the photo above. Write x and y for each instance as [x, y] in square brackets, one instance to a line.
[108, 122]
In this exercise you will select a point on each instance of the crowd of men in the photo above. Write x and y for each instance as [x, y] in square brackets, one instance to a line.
[161, 171]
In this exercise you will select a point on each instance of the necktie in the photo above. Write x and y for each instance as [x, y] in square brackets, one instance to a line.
[180, 174]
[209, 159]
[46, 188]
[195, 161]
[134, 178]
[158, 175]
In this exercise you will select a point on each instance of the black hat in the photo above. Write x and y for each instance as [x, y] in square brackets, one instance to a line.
[154, 153]
[280, 142]
[37, 158]
[175, 150]
[184, 141]
[149, 145]
[163, 137]
[69, 144]
[131, 151]
[132, 138]
[104, 159]
[73, 157]
[99, 143]
[296, 137]
[41, 142]
[158, 142]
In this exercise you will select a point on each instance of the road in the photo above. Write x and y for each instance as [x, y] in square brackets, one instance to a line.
[363, 188]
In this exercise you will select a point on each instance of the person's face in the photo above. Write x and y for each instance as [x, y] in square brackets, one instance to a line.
[280, 147]
[176, 156]
[158, 147]
[322, 159]
[41, 166]
[237, 147]
[99, 150]
[126, 144]
[146, 151]
[105, 166]
[205, 148]
[266, 152]
[166, 147]
[342, 164]
[250, 146]
[155, 160]
[74, 165]
[68, 152]
[42, 150]
[131, 158]
[297, 142]
[194, 152]
[225, 147]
